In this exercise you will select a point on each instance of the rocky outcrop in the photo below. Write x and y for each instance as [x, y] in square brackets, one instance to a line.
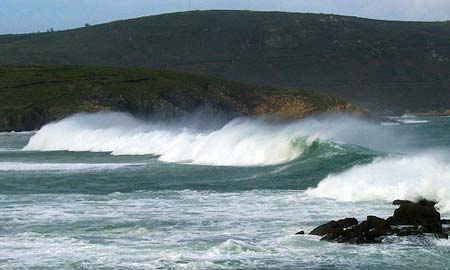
[349, 231]
[334, 226]
[421, 214]
[290, 105]
[411, 218]
[32, 96]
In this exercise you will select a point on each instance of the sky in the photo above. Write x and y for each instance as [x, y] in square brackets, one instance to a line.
[25, 16]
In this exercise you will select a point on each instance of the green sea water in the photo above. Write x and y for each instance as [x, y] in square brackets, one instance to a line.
[107, 191]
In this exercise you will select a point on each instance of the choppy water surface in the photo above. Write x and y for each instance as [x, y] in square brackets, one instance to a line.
[106, 191]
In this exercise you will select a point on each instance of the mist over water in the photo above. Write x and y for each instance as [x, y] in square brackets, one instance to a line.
[388, 179]
[108, 189]
[240, 142]
[399, 171]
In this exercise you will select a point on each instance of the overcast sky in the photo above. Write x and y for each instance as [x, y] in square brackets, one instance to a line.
[22, 16]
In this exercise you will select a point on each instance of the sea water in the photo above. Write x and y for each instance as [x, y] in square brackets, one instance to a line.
[108, 191]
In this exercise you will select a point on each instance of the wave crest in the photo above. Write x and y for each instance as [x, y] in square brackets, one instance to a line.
[387, 179]
[240, 142]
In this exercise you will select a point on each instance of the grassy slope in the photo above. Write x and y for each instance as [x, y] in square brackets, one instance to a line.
[384, 65]
[31, 96]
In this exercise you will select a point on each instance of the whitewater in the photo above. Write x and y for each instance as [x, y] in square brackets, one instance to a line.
[240, 142]
[108, 190]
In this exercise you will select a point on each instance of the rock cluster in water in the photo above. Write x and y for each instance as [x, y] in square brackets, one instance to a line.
[411, 218]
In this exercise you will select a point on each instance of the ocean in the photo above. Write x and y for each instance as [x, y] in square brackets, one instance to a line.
[108, 191]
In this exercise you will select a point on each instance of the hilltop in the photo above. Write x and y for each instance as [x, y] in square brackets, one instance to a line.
[32, 96]
[386, 66]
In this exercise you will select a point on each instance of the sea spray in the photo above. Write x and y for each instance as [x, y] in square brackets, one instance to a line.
[240, 142]
[170, 216]
[386, 179]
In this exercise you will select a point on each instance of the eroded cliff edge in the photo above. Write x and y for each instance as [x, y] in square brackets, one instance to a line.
[31, 96]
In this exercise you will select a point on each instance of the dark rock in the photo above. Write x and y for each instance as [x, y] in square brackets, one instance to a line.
[374, 227]
[445, 221]
[352, 235]
[400, 202]
[300, 233]
[368, 231]
[325, 228]
[411, 218]
[347, 222]
[421, 213]
[374, 223]
[333, 226]
[407, 230]
[426, 203]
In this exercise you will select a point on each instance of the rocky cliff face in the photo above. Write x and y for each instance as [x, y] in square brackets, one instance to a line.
[290, 105]
[33, 96]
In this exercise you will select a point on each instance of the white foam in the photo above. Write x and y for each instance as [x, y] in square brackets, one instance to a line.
[241, 142]
[17, 133]
[411, 121]
[390, 124]
[412, 177]
[408, 116]
[22, 166]
[188, 229]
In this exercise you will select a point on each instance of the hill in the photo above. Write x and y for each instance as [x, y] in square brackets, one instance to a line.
[387, 66]
[31, 96]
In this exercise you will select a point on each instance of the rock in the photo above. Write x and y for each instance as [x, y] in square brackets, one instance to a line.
[300, 233]
[421, 213]
[325, 228]
[353, 235]
[333, 226]
[400, 202]
[407, 230]
[374, 227]
[411, 218]
[368, 231]
[427, 203]
[445, 221]
[374, 223]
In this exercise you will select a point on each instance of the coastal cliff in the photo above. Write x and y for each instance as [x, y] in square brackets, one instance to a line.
[31, 96]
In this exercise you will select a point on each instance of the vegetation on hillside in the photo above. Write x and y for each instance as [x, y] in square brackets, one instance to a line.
[384, 65]
[31, 96]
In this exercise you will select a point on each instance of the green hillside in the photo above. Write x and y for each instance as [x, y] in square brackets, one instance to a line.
[31, 96]
[385, 66]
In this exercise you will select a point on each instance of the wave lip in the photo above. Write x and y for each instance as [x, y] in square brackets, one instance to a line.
[241, 142]
[387, 179]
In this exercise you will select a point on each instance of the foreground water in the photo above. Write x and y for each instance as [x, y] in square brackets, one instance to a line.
[106, 191]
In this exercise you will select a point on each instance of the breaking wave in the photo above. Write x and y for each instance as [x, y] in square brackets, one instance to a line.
[240, 142]
[408, 178]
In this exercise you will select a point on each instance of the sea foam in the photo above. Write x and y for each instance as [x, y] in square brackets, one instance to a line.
[23, 166]
[408, 177]
[240, 142]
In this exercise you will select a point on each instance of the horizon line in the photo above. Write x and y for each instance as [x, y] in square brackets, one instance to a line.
[222, 10]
